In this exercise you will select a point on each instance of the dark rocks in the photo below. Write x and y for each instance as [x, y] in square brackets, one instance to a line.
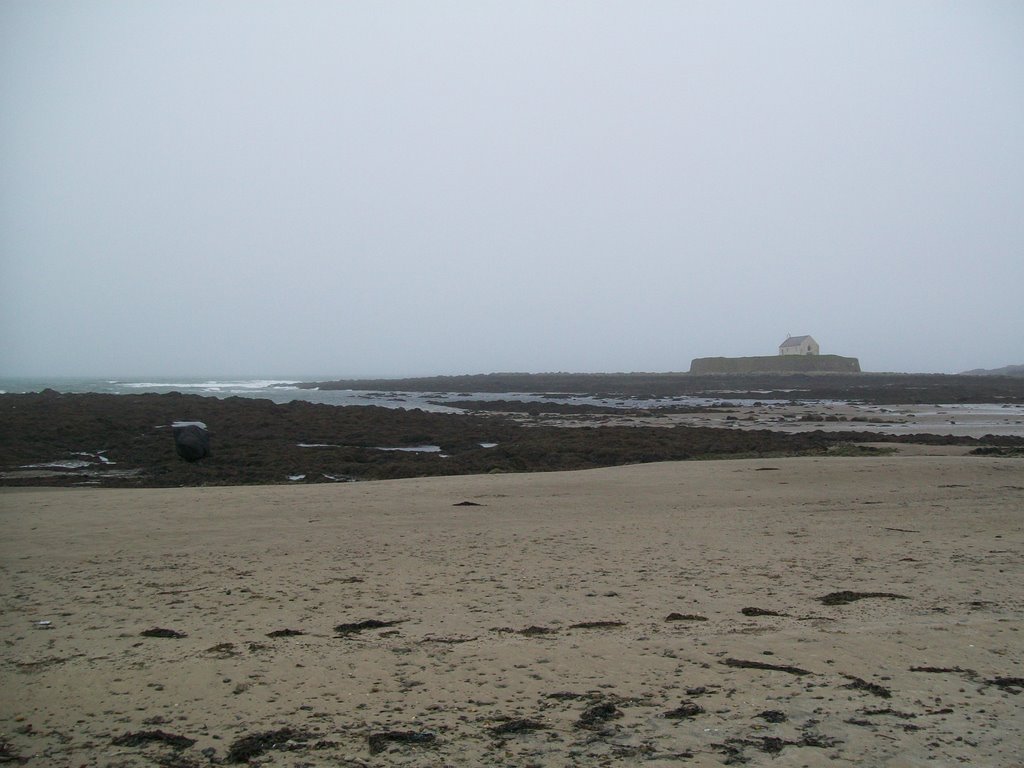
[191, 441]
[598, 714]
[517, 725]
[8, 754]
[684, 711]
[597, 625]
[255, 744]
[378, 742]
[531, 631]
[162, 632]
[1012, 685]
[140, 738]
[740, 663]
[685, 617]
[761, 612]
[258, 441]
[846, 596]
[863, 685]
[771, 745]
[359, 626]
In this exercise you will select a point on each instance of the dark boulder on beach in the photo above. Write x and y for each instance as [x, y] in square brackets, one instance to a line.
[191, 441]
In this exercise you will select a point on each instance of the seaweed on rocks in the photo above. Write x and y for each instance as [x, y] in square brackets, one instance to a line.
[256, 438]
[255, 744]
[446, 640]
[177, 760]
[742, 664]
[761, 612]
[597, 625]
[858, 684]
[572, 696]
[598, 714]
[517, 725]
[379, 741]
[285, 633]
[846, 596]
[534, 630]
[891, 712]
[684, 711]
[943, 670]
[162, 632]
[359, 626]
[1012, 685]
[140, 738]
[699, 690]
[531, 631]
[7, 753]
[771, 745]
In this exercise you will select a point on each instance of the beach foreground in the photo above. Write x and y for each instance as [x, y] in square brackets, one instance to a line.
[660, 614]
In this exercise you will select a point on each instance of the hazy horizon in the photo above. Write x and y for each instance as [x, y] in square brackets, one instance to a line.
[190, 379]
[380, 190]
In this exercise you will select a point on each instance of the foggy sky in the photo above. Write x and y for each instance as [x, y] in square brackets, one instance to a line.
[399, 188]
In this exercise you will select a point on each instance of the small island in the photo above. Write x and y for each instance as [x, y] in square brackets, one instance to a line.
[797, 354]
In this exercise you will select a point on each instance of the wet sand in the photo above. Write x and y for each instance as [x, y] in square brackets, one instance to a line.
[663, 614]
[960, 420]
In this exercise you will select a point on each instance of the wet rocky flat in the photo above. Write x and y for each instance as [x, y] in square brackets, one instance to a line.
[125, 440]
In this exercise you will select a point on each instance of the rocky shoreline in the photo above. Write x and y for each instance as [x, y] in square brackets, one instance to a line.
[875, 388]
[125, 441]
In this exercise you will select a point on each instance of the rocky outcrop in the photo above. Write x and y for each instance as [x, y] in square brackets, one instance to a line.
[122, 440]
[776, 364]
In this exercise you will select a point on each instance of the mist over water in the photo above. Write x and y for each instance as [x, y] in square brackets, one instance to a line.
[400, 189]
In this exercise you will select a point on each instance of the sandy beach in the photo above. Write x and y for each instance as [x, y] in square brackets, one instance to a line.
[660, 614]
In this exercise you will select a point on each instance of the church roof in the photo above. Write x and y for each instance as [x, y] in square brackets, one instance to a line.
[795, 341]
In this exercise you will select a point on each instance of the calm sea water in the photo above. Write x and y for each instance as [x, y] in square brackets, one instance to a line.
[285, 390]
[278, 390]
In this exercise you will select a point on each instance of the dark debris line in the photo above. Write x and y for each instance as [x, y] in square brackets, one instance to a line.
[255, 744]
[380, 741]
[141, 738]
[846, 596]
[359, 626]
[742, 664]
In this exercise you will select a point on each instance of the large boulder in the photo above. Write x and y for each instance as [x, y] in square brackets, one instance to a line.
[191, 440]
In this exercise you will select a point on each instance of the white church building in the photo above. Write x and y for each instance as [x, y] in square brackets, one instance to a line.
[798, 345]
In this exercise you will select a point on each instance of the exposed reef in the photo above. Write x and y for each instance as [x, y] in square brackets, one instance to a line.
[877, 388]
[122, 441]
[776, 364]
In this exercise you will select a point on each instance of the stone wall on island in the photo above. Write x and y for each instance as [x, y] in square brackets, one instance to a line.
[776, 364]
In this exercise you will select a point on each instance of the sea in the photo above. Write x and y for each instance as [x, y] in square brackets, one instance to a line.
[283, 390]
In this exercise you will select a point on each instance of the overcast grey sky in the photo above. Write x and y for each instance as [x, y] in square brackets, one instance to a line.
[393, 188]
